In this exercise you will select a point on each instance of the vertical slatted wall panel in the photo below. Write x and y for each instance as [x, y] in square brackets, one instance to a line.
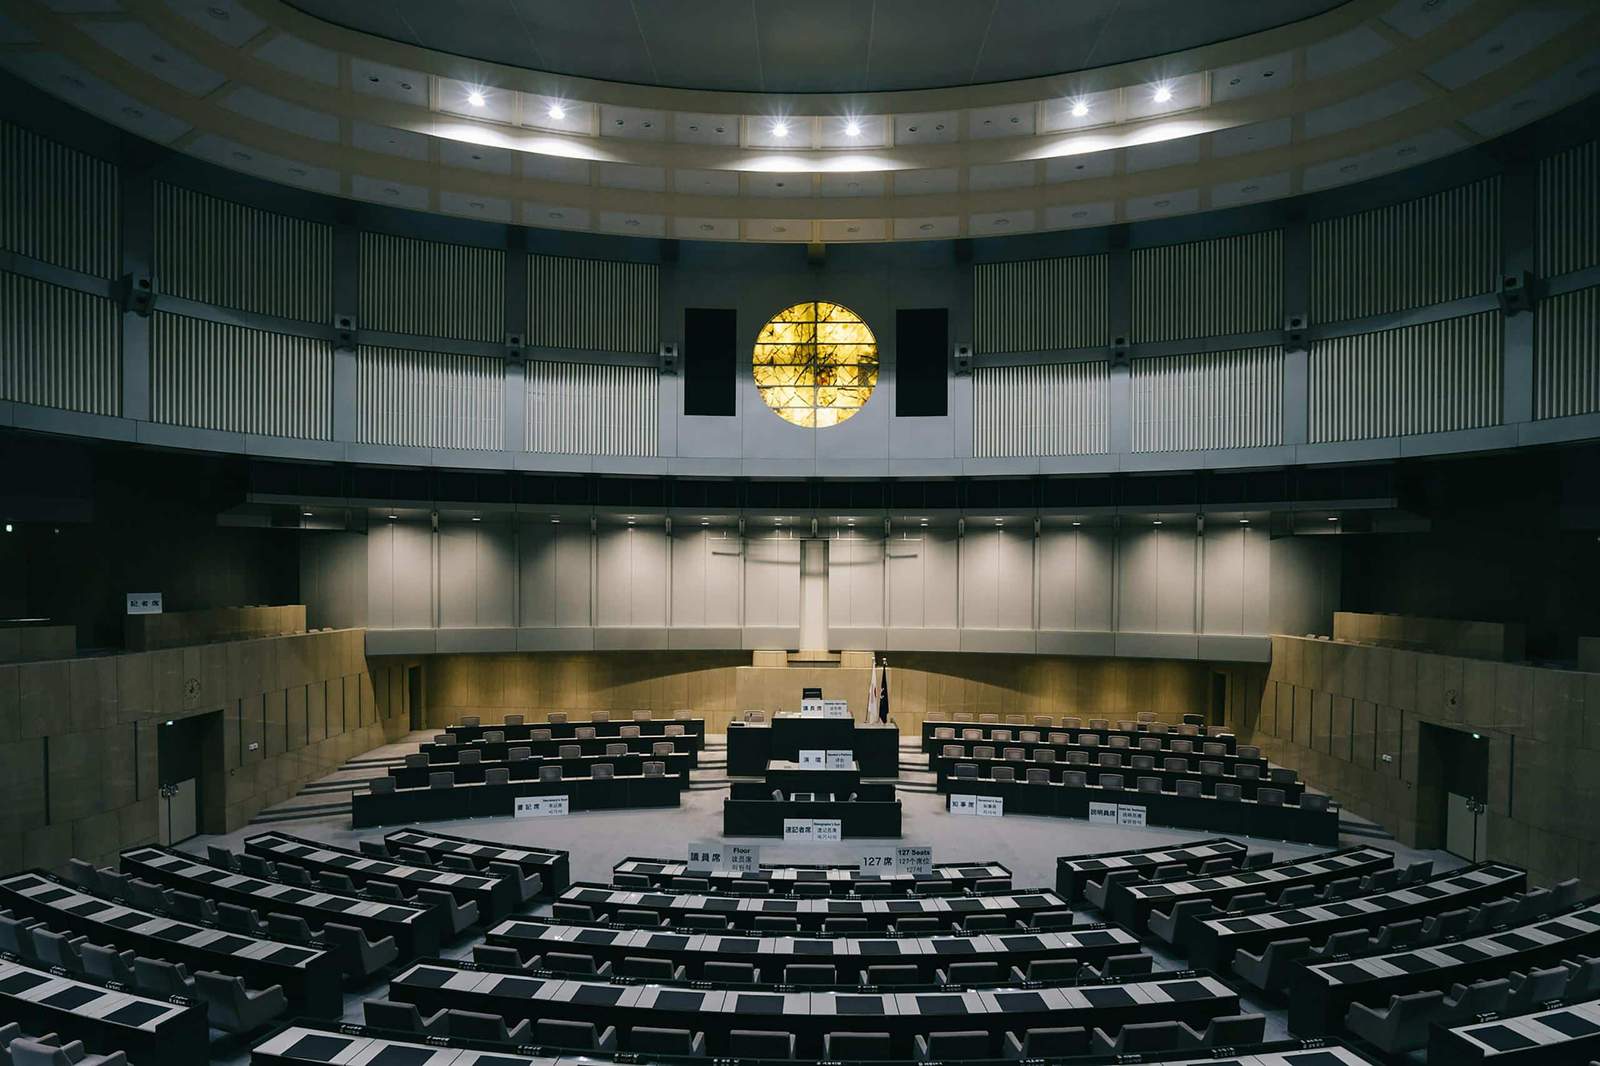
[1569, 210]
[593, 305]
[430, 399]
[57, 205]
[1208, 288]
[1426, 251]
[1566, 363]
[592, 409]
[430, 289]
[1430, 378]
[219, 252]
[1042, 409]
[1039, 305]
[215, 375]
[1209, 400]
[59, 347]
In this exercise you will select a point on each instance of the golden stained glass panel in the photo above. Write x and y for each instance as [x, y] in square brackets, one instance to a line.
[816, 363]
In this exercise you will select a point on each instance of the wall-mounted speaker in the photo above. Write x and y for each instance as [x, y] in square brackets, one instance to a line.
[344, 332]
[667, 357]
[961, 359]
[1294, 333]
[1119, 351]
[1516, 292]
[516, 347]
[139, 294]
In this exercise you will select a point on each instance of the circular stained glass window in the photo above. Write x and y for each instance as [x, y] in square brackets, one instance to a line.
[816, 363]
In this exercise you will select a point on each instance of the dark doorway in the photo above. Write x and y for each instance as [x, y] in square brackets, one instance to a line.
[1219, 697]
[414, 695]
[188, 764]
[1452, 788]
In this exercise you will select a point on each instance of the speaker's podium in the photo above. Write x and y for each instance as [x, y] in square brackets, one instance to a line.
[816, 775]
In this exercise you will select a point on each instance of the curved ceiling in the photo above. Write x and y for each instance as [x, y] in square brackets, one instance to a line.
[1368, 87]
[808, 46]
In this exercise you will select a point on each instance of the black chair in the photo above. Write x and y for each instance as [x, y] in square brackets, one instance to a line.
[857, 1046]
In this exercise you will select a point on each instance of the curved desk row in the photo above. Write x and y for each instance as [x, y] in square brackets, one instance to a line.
[841, 880]
[553, 865]
[1072, 871]
[499, 801]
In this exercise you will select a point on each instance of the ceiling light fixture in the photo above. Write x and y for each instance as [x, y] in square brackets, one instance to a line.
[1163, 93]
[305, 514]
[477, 518]
[475, 98]
[852, 128]
[556, 111]
[780, 129]
[1244, 521]
[1157, 522]
[1080, 108]
[393, 517]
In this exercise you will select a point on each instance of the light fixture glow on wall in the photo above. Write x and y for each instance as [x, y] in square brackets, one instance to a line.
[1080, 108]
[475, 98]
[556, 111]
[780, 129]
[852, 128]
[1163, 93]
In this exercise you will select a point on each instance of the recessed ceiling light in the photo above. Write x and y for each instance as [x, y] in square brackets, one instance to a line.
[693, 128]
[1002, 222]
[1163, 203]
[1080, 108]
[373, 78]
[391, 190]
[988, 122]
[780, 129]
[556, 111]
[475, 155]
[1080, 214]
[1077, 523]
[1244, 521]
[852, 128]
[1157, 522]
[780, 229]
[778, 184]
[477, 518]
[393, 517]
[305, 514]
[1333, 519]
[478, 204]
[911, 129]
[926, 226]
[630, 222]
[1268, 73]
[1234, 81]
[1015, 120]
[298, 172]
[406, 85]
[1163, 93]
[647, 125]
[852, 229]
[555, 214]
[722, 129]
[475, 98]
[938, 127]
[621, 122]
[221, 14]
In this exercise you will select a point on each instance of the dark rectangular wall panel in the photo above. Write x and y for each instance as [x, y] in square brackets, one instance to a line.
[921, 338]
[710, 360]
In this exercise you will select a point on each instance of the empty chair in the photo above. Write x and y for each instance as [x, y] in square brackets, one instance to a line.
[1054, 971]
[494, 736]
[1228, 791]
[989, 719]
[584, 732]
[1122, 966]
[965, 770]
[1174, 764]
[238, 919]
[1089, 740]
[983, 751]
[497, 775]
[1247, 772]
[978, 923]
[471, 1025]
[290, 928]
[1058, 738]
[374, 849]
[1397, 935]
[1182, 747]
[1028, 736]
[107, 964]
[804, 973]
[571, 912]
[147, 896]
[599, 716]
[845, 925]
[1296, 896]
[1048, 1043]
[83, 874]
[1255, 860]
[358, 955]
[1000, 736]
[1493, 914]
[1141, 1036]
[1535, 987]
[635, 917]
[1013, 755]
[1230, 1031]
[649, 969]
[445, 779]
[56, 949]
[518, 754]
[857, 1046]
[458, 915]
[654, 769]
[1149, 744]
[1074, 778]
[1188, 787]
[1109, 758]
[162, 979]
[569, 751]
[1077, 758]
[540, 734]
[603, 771]
[1037, 776]
[551, 772]
[1142, 762]
[1111, 781]
[756, 1044]
[1399, 1027]
[614, 749]
[1313, 801]
[193, 907]
[233, 1008]
[1531, 905]
[777, 923]
[469, 720]
[916, 925]
[113, 883]
[1165, 924]
[470, 757]
[647, 1040]
[750, 888]
[1482, 997]
[1270, 970]
[1343, 888]
[953, 751]
[675, 729]
[737, 973]
[1583, 976]
[497, 955]
[337, 882]
[448, 740]
[662, 748]
[458, 863]
[514, 719]
[642, 714]
[1212, 768]
[416, 761]
[1118, 741]
[1420, 870]
[386, 891]
[1004, 773]
[953, 1047]
[1147, 784]
[556, 717]
[1344, 942]
[1097, 892]
[1044, 755]
[1247, 901]
[1282, 775]
[1446, 926]
[1249, 751]
[971, 733]
[1213, 747]
[25, 1051]
[970, 973]
[576, 1036]
[1563, 894]
[944, 732]
[574, 963]
[707, 922]
[902, 974]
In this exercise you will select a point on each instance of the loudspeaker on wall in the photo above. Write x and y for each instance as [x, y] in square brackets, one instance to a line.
[961, 359]
[667, 358]
[1516, 292]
